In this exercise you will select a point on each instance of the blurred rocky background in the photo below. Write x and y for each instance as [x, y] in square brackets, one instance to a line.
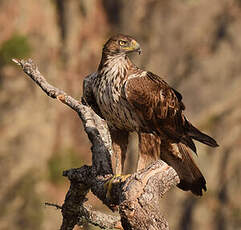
[194, 44]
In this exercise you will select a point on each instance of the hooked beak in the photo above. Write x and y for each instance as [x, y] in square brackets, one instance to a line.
[135, 46]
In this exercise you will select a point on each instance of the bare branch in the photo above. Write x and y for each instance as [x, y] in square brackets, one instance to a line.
[100, 219]
[136, 196]
[95, 127]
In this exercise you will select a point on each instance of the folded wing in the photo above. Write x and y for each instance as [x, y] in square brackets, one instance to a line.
[159, 107]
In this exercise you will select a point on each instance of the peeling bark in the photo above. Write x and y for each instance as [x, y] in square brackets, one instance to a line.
[136, 196]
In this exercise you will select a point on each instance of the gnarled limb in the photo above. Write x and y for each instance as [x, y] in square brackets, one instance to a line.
[136, 198]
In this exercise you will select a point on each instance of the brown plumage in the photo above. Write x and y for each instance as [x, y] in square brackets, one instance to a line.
[130, 99]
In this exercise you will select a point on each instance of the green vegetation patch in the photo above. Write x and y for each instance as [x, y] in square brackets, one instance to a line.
[60, 161]
[15, 47]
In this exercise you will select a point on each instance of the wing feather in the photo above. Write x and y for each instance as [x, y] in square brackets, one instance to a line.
[88, 96]
[153, 98]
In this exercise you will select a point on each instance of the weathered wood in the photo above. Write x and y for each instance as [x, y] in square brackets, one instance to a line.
[136, 197]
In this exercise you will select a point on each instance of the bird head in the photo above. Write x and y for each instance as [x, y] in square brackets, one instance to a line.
[121, 44]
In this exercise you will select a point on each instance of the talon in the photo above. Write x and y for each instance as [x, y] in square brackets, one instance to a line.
[108, 184]
[124, 177]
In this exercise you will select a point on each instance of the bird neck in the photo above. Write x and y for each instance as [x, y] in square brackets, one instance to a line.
[114, 63]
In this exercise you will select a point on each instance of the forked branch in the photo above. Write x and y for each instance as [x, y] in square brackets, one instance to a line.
[136, 198]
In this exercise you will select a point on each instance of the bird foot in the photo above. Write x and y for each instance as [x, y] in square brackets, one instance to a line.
[114, 180]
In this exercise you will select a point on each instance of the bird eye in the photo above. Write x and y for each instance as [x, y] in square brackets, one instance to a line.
[122, 43]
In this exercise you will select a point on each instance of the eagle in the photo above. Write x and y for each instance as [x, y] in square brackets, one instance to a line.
[134, 100]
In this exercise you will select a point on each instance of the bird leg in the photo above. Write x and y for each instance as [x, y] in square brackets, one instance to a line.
[119, 145]
[149, 149]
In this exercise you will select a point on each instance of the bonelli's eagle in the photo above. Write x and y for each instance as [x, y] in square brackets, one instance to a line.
[131, 99]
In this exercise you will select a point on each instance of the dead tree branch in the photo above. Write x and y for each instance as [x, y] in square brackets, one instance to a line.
[136, 197]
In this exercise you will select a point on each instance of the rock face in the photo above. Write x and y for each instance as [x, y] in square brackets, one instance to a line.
[195, 44]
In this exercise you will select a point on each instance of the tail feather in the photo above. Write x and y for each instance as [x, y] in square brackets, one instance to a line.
[196, 134]
[179, 157]
[195, 181]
